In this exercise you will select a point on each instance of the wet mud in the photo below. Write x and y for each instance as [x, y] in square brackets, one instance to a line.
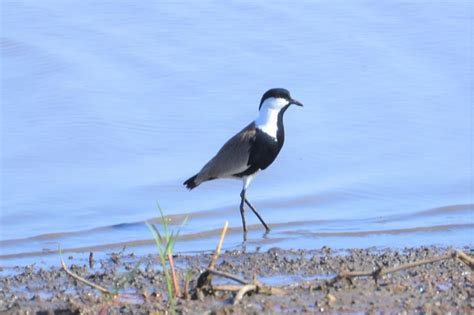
[303, 275]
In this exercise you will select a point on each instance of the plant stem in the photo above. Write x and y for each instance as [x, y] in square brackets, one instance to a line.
[177, 291]
[212, 264]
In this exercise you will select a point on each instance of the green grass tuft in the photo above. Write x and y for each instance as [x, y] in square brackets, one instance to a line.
[165, 242]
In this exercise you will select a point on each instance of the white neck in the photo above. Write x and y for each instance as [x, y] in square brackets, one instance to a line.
[267, 120]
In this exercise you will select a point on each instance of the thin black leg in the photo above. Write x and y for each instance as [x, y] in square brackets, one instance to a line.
[242, 211]
[256, 213]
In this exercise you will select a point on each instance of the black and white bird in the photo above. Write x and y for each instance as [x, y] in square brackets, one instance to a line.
[253, 149]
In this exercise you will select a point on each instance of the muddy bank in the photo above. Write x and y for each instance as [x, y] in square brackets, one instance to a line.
[442, 287]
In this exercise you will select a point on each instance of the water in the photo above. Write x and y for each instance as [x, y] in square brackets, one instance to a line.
[106, 108]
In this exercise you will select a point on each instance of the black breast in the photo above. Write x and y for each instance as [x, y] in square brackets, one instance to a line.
[264, 148]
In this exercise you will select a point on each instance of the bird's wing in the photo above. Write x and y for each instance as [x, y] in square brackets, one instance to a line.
[232, 158]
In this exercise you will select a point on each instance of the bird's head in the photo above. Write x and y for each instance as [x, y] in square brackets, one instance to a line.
[278, 99]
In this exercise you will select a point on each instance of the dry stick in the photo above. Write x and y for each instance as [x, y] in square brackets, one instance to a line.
[212, 264]
[259, 288]
[79, 278]
[245, 287]
[205, 278]
[177, 291]
[243, 290]
[272, 290]
[468, 260]
[227, 275]
[269, 290]
[380, 271]
[264, 289]
[227, 287]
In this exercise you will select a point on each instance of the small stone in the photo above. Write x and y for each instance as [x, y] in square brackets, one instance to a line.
[331, 299]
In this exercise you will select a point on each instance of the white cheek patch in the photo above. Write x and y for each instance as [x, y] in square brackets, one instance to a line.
[267, 120]
[274, 103]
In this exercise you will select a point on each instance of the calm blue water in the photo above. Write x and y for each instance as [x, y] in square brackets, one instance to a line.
[107, 107]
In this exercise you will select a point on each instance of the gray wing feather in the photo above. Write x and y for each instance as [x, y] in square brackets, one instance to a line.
[231, 159]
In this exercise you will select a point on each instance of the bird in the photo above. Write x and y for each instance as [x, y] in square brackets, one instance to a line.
[251, 150]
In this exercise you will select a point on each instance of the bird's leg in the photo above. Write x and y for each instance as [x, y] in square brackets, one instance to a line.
[256, 213]
[242, 210]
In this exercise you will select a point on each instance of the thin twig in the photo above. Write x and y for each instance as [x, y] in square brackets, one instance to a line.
[205, 278]
[80, 279]
[269, 290]
[468, 260]
[212, 264]
[226, 275]
[264, 289]
[227, 287]
[245, 289]
[381, 271]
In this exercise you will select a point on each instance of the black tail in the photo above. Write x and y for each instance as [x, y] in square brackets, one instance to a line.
[190, 183]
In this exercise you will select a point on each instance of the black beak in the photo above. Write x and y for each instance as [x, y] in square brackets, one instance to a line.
[293, 101]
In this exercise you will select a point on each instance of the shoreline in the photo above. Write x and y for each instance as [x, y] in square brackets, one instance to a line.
[443, 286]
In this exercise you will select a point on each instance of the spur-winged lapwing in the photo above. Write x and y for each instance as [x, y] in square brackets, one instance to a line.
[251, 150]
